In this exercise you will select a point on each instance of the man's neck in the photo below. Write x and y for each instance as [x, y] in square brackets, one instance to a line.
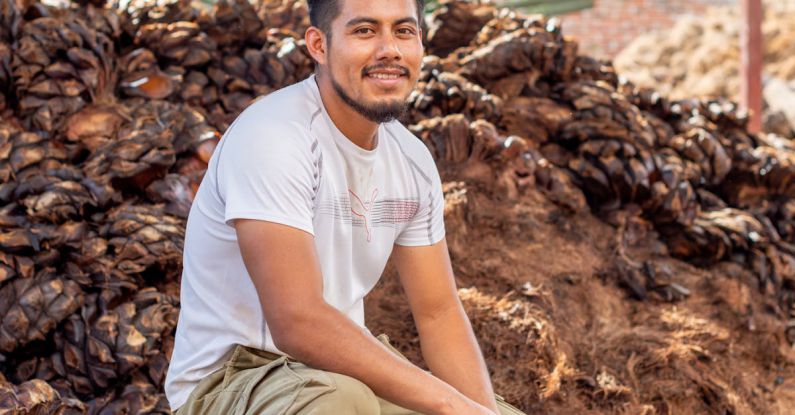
[353, 125]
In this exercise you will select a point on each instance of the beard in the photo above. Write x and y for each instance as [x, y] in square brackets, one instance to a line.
[379, 112]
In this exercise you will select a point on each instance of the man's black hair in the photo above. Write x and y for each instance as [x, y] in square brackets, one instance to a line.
[322, 12]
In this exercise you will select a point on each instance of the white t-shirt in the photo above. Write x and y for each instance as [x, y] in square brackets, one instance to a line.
[283, 160]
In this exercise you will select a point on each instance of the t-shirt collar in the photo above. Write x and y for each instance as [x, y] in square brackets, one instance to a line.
[342, 141]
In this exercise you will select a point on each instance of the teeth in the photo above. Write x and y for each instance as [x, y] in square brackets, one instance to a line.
[384, 76]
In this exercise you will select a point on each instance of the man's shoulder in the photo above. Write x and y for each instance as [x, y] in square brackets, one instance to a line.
[294, 101]
[411, 146]
[283, 116]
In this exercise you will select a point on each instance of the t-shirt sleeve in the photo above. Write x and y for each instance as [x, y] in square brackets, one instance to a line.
[267, 171]
[427, 226]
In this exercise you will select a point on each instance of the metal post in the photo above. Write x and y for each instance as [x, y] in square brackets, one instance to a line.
[752, 54]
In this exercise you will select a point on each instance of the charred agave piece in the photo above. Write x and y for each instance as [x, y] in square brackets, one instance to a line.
[557, 184]
[18, 239]
[613, 142]
[705, 151]
[448, 93]
[291, 15]
[601, 112]
[24, 244]
[523, 52]
[177, 191]
[61, 63]
[25, 154]
[454, 139]
[36, 397]
[278, 63]
[650, 278]
[180, 43]
[142, 12]
[55, 197]
[142, 76]
[137, 397]
[143, 236]
[143, 394]
[42, 179]
[761, 173]
[8, 132]
[32, 307]
[193, 135]
[232, 24]
[5, 77]
[505, 21]
[477, 151]
[232, 82]
[13, 267]
[142, 151]
[456, 23]
[736, 235]
[97, 347]
[94, 126]
[632, 156]
[90, 264]
[293, 58]
[716, 235]
[10, 21]
[782, 214]
[673, 196]
[537, 119]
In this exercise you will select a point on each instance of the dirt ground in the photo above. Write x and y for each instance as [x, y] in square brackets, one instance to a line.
[561, 336]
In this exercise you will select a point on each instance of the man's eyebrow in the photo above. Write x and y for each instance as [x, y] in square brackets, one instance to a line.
[411, 20]
[359, 20]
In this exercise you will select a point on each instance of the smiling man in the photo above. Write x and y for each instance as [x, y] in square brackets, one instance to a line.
[309, 193]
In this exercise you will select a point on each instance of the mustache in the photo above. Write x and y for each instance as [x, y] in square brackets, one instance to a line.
[403, 70]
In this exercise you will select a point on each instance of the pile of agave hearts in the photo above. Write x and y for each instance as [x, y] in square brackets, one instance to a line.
[110, 115]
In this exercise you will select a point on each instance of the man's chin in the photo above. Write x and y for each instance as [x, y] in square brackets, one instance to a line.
[385, 103]
[379, 107]
[385, 113]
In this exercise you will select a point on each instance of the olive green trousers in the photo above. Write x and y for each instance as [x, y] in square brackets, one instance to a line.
[256, 382]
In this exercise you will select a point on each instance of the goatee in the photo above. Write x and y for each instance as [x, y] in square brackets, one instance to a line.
[377, 113]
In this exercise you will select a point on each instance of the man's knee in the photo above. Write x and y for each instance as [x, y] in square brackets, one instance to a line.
[350, 396]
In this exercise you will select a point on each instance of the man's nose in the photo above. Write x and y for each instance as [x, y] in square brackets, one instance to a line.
[389, 48]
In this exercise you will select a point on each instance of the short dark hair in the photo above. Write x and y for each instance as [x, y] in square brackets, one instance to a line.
[322, 12]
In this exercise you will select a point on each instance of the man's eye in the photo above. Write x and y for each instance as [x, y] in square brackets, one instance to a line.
[363, 30]
[406, 31]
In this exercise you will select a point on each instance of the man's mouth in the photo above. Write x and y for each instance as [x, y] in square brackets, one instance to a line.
[386, 73]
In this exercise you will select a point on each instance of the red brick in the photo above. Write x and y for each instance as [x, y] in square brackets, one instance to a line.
[610, 25]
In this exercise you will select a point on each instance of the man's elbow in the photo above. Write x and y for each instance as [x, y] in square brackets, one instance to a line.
[292, 328]
[442, 312]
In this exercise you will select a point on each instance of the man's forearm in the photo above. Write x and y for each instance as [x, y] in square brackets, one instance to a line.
[327, 340]
[451, 351]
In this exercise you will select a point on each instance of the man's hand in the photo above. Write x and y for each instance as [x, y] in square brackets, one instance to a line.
[448, 343]
[285, 270]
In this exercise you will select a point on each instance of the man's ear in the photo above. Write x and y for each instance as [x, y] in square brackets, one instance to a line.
[316, 44]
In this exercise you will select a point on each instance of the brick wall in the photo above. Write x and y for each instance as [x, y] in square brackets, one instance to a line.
[611, 24]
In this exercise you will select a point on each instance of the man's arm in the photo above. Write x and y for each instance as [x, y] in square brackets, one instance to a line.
[448, 343]
[284, 268]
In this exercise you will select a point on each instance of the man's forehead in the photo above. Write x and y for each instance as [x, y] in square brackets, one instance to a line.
[382, 11]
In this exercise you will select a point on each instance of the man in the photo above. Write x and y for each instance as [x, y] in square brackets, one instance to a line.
[310, 191]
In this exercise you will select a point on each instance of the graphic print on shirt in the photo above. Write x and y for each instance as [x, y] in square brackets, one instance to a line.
[384, 212]
[361, 209]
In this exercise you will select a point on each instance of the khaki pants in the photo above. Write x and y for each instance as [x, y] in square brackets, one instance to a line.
[256, 382]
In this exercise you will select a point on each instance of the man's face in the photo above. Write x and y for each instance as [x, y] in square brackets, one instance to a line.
[374, 55]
